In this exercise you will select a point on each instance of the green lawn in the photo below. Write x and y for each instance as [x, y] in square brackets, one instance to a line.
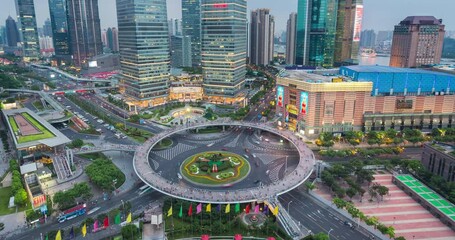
[163, 144]
[23, 139]
[137, 134]
[5, 194]
[38, 105]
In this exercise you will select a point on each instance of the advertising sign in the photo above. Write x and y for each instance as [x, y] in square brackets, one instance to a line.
[280, 96]
[358, 22]
[303, 103]
[404, 104]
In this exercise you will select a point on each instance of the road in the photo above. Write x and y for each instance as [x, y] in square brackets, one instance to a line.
[260, 106]
[137, 202]
[317, 218]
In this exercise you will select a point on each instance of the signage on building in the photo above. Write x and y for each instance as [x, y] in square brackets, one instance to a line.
[280, 96]
[220, 5]
[404, 104]
[303, 103]
[357, 23]
[292, 109]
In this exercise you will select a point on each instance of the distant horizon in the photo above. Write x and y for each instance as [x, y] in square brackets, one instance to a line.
[378, 15]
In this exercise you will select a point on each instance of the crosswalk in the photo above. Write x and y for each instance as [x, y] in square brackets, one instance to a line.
[274, 173]
[170, 154]
[156, 164]
[267, 158]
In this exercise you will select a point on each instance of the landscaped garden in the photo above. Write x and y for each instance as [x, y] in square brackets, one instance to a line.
[215, 168]
[44, 132]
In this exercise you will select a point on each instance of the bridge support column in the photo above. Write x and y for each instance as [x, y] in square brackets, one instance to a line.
[197, 130]
[224, 128]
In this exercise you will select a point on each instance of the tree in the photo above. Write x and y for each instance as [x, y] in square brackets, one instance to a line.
[104, 174]
[77, 143]
[326, 139]
[130, 231]
[134, 118]
[382, 191]
[20, 198]
[310, 186]
[340, 203]
[372, 221]
[351, 192]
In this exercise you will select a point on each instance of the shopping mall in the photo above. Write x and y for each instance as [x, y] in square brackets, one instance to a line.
[364, 98]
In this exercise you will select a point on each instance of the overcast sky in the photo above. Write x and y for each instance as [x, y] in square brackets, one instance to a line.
[378, 14]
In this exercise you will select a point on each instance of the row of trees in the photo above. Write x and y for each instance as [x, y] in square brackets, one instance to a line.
[17, 186]
[388, 137]
[370, 221]
[103, 173]
[4, 137]
[444, 134]
[69, 198]
[363, 152]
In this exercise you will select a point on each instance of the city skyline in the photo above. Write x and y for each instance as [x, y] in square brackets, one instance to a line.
[381, 15]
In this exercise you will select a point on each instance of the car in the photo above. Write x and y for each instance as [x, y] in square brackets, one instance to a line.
[224, 149]
[246, 156]
[257, 181]
[267, 140]
[348, 224]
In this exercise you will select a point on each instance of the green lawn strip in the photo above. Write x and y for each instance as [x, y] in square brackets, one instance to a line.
[163, 144]
[5, 194]
[401, 178]
[43, 135]
[13, 124]
[38, 105]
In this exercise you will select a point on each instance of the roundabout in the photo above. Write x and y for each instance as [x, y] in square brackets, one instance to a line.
[186, 170]
[215, 168]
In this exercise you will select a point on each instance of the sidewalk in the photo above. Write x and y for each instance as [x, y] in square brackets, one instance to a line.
[124, 161]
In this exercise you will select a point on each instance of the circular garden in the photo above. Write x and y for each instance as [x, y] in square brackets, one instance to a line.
[215, 168]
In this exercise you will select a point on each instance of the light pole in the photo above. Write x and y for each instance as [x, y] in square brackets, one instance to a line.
[289, 203]
[286, 165]
[328, 234]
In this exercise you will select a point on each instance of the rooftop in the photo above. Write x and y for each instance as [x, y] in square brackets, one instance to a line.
[443, 147]
[311, 76]
[387, 69]
[427, 20]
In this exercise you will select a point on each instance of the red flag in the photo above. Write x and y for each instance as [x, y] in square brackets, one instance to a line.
[106, 222]
[247, 209]
[190, 211]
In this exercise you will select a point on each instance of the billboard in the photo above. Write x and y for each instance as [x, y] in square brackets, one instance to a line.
[357, 23]
[93, 64]
[280, 96]
[303, 103]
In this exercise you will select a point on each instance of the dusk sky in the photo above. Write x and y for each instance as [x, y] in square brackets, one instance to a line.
[378, 14]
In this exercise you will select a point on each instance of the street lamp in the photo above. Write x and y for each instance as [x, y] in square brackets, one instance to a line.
[286, 165]
[289, 203]
[328, 234]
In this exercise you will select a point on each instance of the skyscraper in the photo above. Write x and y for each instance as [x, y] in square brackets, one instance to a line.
[316, 32]
[224, 46]
[262, 29]
[115, 39]
[144, 50]
[85, 31]
[175, 27]
[417, 41]
[368, 39]
[348, 29]
[12, 34]
[191, 26]
[60, 33]
[176, 51]
[27, 25]
[290, 38]
[47, 28]
[109, 39]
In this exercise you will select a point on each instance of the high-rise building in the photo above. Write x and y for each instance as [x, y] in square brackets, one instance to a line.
[85, 31]
[348, 29]
[383, 36]
[27, 26]
[60, 33]
[186, 52]
[104, 37]
[368, 39]
[144, 50]
[47, 28]
[417, 41]
[224, 47]
[316, 31]
[115, 40]
[180, 51]
[191, 26]
[262, 29]
[3, 35]
[109, 39]
[12, 34]
[290, 38]
[175, 27]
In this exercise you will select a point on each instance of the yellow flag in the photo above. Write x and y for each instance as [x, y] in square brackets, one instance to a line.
[128, 219]
[208, 208]
[275, 211]
[58, 236]
[84, 230]
[169, 212]
[228, 208]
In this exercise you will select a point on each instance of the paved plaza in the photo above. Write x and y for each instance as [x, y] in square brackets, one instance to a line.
[409, 218]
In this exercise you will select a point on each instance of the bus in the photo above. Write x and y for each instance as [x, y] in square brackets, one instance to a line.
[72, 213]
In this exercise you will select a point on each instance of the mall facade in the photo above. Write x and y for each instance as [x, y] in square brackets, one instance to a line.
[364, 98]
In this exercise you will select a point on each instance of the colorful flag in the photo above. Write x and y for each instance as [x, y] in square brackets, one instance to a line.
[199, 208]
[106, 222]
[72, 233]
[275, 211]
[128, 219]
[247, 209]
[208, 208]
[256, 209]
[169, 212]
[266, 210]
[237, 208]
[218, 208]
[95, 225]
[190, 211]
[228, 208]
[181, 211]
[117, 219]
[58, 236]
[84, 230]
[47, 237]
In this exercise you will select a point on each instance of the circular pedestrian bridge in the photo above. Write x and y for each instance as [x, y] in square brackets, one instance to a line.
[291, 179]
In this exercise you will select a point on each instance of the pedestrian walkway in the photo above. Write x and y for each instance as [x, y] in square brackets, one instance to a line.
[170, 154]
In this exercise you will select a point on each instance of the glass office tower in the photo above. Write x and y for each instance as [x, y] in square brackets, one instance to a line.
[27, 27]
[191, 26]
[316, 31]
[224, 47]
[144, 50]
[60, 33]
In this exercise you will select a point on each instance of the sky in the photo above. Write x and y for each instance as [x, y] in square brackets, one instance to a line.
[378, 14]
